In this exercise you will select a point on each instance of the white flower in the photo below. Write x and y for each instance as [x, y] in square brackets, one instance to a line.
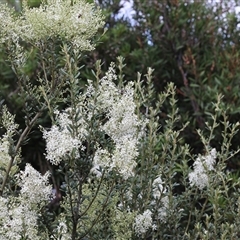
[210, 159]
[61, 231]
[122, 124]
[101, 157]
[23, 221]
[162, 211]
[199, 178]
[6, 23]
[60, 141]
[143, 222]
[157, 186]
[7, 149]
[8, 122]
[4, 209]
[123, 158]
[17, 221]
[202, 165]
[96, 171]
[35, 188]
[4, 154]
[70, 21]
[58, 144]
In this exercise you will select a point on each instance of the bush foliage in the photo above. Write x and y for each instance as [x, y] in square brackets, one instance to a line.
[114, 154]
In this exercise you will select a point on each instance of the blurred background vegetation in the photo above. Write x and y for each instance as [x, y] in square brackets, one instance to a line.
[194, 44]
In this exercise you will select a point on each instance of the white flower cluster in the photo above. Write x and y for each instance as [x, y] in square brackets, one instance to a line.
[4, 154]
[8, 122]
[61, 231]
[18, 222]
[60, 141]
[34, 186]
[158, 188]
[75, 21]
[143, 222]
[71, 21]
[163, 210]
[202, 165]
[6, 23]
[6, 142]
[158, 192]
[122, 125]
[19, 215]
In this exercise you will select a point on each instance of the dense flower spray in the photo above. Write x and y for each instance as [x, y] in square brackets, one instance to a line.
[6, 143]
[120, 124]
[74, 22]
[143, 222]
[202, 165]
[34, 187]
[20, 214]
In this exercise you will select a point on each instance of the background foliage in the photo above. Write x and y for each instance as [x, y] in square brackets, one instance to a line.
[194, 44]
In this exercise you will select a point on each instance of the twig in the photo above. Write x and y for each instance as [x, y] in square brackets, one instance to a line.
[22, 137]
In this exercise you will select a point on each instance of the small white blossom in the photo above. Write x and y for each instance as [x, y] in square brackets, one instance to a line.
[123, 158]
[6, 23]
[60, 141]
[17, 221]
[61, 231]
[34, 187]
[143, 222]
[7, 150]
[101, 157]
[210, 160]
[203, 164]
[4, 209]
[23, 221]
[4, 154]
[157, 186]
[162, 211]
[19, 215]
[58, 144]
[8, 122]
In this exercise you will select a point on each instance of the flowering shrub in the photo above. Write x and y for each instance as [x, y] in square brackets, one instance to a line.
[124, 170]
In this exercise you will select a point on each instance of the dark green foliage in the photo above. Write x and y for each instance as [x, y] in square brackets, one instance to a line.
[193, 44]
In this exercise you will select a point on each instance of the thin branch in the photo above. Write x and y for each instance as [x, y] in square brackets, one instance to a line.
[93, 199]
[97, 218]
[20, 140]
